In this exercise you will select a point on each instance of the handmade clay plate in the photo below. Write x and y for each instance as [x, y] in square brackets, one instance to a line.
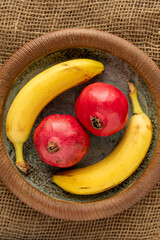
[122, 62]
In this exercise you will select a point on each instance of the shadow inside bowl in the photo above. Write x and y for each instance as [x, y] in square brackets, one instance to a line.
[117, 72]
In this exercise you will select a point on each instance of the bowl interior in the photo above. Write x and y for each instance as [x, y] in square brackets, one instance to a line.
[117, 72]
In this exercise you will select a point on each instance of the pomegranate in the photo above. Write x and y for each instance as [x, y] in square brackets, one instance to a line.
[102, 109]
[60, 140]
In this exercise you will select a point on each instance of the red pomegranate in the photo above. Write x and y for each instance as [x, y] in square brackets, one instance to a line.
[60, 140]
[102, 109]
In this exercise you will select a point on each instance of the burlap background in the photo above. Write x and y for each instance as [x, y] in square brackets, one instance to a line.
[135, 20]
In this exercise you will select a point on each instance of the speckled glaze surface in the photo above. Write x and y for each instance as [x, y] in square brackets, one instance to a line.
[37, 188]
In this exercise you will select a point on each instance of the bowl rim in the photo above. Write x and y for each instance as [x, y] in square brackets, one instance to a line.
[75, 38]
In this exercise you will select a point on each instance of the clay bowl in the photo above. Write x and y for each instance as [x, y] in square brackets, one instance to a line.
[123, 62]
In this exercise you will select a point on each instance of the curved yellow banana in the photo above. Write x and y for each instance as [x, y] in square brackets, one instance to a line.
[120, 164]
[38, 92]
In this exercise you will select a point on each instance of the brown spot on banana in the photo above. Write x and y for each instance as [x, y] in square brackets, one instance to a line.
[149, 127]
[137, 127]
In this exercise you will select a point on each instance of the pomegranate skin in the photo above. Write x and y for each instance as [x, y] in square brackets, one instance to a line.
[60, 140]
[102, 109]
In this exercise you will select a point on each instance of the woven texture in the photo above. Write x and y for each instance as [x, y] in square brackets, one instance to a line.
[137, 21]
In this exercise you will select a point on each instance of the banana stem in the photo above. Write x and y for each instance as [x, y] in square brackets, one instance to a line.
[20, 163]
[134, 98]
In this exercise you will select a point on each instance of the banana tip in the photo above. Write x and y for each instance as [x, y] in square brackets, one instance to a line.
[24, 167]
[131, 87]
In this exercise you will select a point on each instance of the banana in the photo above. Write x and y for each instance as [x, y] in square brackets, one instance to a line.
[38, 92]
[120, 164]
